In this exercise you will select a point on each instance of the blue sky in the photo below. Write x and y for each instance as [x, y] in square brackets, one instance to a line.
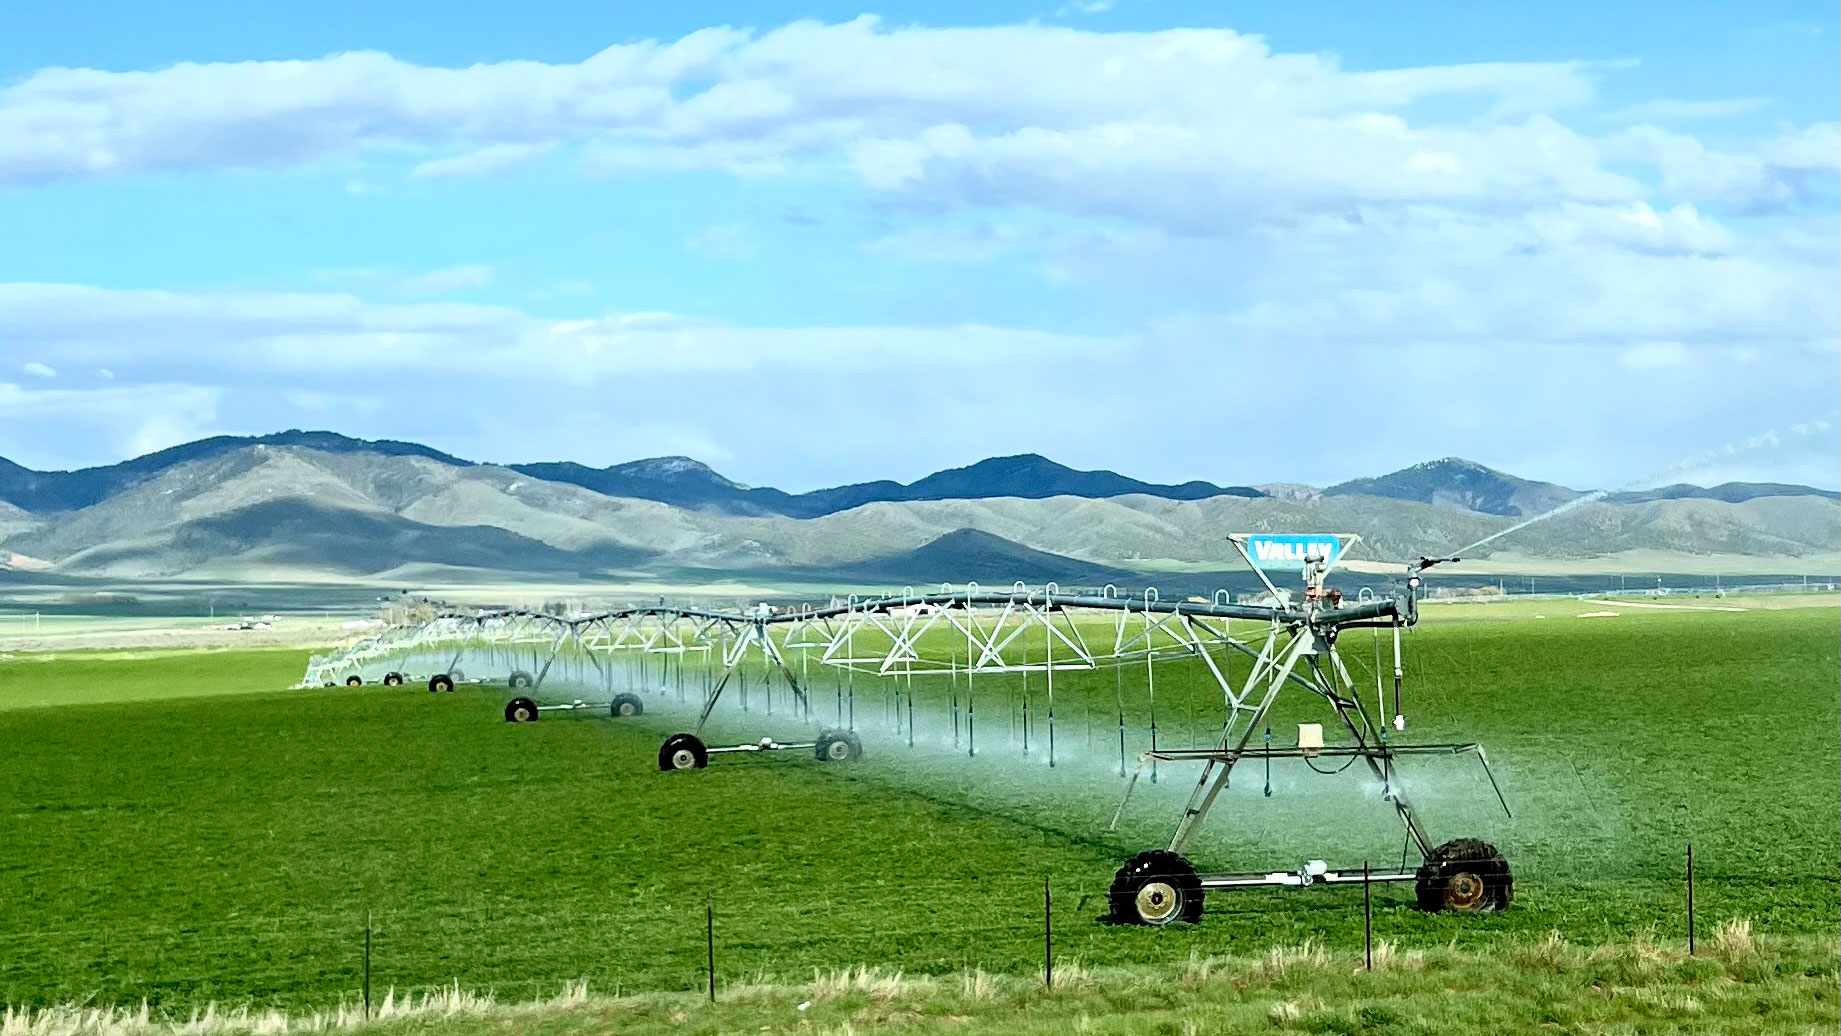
[810, 246]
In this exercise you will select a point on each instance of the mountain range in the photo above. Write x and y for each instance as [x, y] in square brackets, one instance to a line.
[319, 504]
[679, 481]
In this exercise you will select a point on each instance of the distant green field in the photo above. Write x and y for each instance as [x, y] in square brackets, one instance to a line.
[178, 828]
[119, 677]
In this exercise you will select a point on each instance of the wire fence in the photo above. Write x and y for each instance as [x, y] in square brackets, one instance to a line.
[685, 935]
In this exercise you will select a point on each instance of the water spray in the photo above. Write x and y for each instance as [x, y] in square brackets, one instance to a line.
[1764, 440]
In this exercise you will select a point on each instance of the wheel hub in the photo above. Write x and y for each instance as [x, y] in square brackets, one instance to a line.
[1158, 902]
[683, 759]
[1464, 891]
[626, 708]
[838, 750]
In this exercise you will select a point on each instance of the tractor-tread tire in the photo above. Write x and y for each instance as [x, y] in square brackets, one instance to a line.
[838, 746]
[354, 681]
[520, 680]
[393, 679]
[681, 749]
[440, 682]
[1464, 875]
[1155, 865]
[521, 710]
[625, 706]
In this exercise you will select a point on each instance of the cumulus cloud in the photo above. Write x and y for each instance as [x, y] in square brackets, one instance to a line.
[116, 421]
[799, 86]
[1487, 219]
[1670, 110]
[494, 158]
[1785, 171]
[296, 333]
[39, 370]
[1206, 127]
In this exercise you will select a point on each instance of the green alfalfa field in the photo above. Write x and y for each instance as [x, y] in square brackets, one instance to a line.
[181, 828]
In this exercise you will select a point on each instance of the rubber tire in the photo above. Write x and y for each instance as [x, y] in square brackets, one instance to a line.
[456, 675]
[1145, 868]
[691, 743]
[1476, 859]
[354, 681]
[393, 679]
[521, 710]
[625, 706]
[440, 682]
[833, 740]
[520, 680]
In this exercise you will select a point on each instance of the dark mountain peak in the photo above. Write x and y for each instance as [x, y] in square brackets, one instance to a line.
[1460, 485]
[1453, 464]
[967, 554]
[1015, 463]
[324, 441]
[672, 469]
[964, 537]
[1033, 476]
[679, 481]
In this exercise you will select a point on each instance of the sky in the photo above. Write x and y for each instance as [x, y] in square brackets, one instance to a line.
[1595, 244]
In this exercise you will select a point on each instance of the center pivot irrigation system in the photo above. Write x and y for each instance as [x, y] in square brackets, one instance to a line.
[1253, 651]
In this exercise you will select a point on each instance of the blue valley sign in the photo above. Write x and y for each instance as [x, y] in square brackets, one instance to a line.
[1288, 552]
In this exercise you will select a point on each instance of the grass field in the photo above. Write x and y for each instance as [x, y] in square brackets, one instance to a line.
[1739, 983]
[178, 829]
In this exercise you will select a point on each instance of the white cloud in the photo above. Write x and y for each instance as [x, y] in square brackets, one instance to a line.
[39, 370]
[1670, 110]
[801, 86]
[1436, 221]
[115, 422]
[1539, 359]
[278, 334]
[1681, 230]
[1780, 173]
[1206, 128]
[1224, 178]
[466, 277]
[494, 158]
[1580, 276]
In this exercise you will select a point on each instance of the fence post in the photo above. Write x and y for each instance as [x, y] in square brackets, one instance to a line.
[367, 965]
[709, 930]
[1367, 918]
[1690, 899]
[1048, 936]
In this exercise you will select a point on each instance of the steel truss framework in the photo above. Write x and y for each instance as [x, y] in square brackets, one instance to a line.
[1252, 652]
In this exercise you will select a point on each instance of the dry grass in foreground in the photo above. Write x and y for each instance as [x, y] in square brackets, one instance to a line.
[1739, 983]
